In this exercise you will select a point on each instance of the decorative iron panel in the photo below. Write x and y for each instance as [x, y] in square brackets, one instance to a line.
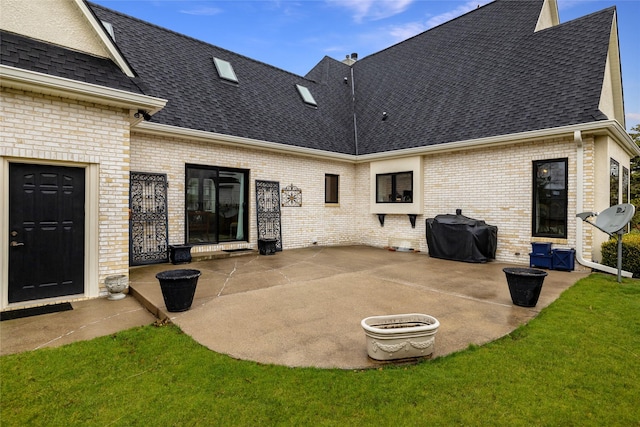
[268, 211]
[291, 196]
[148, 222]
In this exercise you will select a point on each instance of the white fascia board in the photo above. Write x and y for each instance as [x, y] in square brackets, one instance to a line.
[106, 40]
[605, 127]
[18, 78]
[609, 127]
[150, 128]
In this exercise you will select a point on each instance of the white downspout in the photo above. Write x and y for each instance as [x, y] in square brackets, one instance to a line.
[577, 137]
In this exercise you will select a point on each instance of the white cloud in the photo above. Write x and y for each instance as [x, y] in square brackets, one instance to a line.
[632, 119]
[402, 32]
[460, 10]
[408, 30]
[372, 9]
[202, 11]
[568, 4]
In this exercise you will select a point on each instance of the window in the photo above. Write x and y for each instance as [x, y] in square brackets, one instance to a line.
[550, 198]
[225, 70]
[305, 93]
[216, 203]
[394, 187]
[331, 188]
[614, 183]
[625, 185]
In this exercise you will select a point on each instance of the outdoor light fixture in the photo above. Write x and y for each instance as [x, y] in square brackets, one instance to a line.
[145, 115]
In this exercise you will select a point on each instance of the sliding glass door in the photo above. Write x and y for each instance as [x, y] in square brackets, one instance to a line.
[216, 204]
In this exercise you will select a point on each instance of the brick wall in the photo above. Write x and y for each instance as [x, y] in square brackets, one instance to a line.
[69, 133]
[493, 184]
[301, 226]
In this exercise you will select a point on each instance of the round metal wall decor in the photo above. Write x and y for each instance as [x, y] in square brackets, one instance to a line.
[291, 196]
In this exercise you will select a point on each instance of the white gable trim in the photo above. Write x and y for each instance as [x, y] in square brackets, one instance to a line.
[114, 52]
[611, 96]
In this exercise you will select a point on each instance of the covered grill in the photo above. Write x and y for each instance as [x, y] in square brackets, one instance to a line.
[459, 238]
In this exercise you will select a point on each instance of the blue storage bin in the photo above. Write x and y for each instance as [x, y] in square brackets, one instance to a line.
[541, 248]
[563, 259]
[540, 261]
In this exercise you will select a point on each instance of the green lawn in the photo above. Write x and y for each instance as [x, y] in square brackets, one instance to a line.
[577, 363]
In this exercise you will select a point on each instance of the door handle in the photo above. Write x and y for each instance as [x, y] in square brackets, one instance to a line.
[14, 243]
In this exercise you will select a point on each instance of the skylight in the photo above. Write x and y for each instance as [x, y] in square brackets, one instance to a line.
[225, 70]
[306, 95]
[107, 26]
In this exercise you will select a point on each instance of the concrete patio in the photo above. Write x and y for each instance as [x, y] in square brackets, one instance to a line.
[303, 307]
[88, 319]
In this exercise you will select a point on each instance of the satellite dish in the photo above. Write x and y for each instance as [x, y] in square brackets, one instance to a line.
[612, 221]
[615, 218]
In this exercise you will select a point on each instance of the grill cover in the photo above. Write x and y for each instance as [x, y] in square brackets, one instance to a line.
[459, 238]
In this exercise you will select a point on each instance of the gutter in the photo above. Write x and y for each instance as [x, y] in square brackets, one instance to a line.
[159, 129]
[353, 106]
[21, 79]
[602, 127]
[577, 137]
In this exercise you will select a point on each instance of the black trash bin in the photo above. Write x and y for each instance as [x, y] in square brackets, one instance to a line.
[178, 288]
[525, 285]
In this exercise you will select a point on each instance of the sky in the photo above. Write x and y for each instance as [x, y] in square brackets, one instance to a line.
[295, 35]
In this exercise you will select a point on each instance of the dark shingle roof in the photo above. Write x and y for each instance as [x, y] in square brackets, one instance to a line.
[264, 105]
[486, 73]
[33, 55]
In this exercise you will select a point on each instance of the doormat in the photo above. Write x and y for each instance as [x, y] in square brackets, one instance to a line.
[34, 311]
[236, 250]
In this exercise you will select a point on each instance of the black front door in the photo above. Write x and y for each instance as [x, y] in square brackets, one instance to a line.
[46, 231]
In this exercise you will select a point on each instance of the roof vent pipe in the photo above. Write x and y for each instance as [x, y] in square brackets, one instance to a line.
[354, 56]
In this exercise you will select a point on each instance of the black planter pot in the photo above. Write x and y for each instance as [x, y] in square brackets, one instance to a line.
[178, 288]
[267, 246]
[180, 254]
[525, 285]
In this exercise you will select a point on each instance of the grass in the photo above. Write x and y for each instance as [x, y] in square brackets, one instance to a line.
[576, 364]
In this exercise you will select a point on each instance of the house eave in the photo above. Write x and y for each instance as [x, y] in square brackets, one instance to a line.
[605, 127]
[31, 81]
[158, 129]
